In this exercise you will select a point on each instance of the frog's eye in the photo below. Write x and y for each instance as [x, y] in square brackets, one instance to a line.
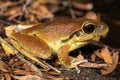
[88, 28]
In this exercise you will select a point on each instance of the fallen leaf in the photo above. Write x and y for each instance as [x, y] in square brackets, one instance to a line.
[3, 66]
[97, 53]
[79, 5]
[79, 58]
[53, 73]
[111, 67]
[106, 55]
[61, 78]
[5, 4]
[24, 72]
[93, 56]
[17, 63]
[27, 77]
[2, 77]
[7, 76]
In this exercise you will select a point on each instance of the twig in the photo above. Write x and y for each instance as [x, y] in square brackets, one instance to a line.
[71, 10]
[25, 5]
[52, 67]
[22, 59]
[78, 5]
[24, 8]
[92, 65]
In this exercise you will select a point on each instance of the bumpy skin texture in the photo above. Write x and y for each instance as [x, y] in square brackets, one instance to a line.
[58, 37]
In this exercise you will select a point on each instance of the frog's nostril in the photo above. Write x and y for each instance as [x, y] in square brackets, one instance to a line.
[77, 34]
[103, 30]
[101, 27]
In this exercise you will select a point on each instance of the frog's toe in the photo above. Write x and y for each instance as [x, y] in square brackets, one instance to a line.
[74, 64]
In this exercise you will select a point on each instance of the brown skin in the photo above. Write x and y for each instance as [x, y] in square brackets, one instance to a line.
[58, 37]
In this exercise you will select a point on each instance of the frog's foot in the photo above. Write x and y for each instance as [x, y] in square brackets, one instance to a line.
[74, 64]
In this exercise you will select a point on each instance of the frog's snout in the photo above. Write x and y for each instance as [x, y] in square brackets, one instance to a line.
[105, 30]
[102, 30]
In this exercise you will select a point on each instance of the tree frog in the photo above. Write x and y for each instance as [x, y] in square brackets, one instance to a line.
[58, 37]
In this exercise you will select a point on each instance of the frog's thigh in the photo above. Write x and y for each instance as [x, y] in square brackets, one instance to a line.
[33, 58]
[33, 45]
[63, 56]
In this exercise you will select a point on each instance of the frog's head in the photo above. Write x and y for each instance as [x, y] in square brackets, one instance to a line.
[90, 28]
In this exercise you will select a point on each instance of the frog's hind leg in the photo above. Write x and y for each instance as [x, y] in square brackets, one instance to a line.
[33, 58]
[32, 49]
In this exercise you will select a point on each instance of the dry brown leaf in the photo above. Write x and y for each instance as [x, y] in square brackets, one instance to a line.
[41, 11]
[112, 66]
[97, 53]
[7, 76]
[93, 56]
[2, 77]
[79, 58]
[13, 11]
[3, 66]
[14, 62]
[11, 61]
[61, 78]
[17, 63]
[53, 73]
[79, 5]
[32, 18]
[20, 9]
[27, 77]
[49, 1]
[19, 71]
[23, 72]
[5, 4]
[27, 68]
[106, 55]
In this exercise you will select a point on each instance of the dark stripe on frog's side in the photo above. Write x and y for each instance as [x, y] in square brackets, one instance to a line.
[77, 33]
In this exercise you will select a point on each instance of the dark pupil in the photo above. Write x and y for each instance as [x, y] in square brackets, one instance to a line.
[88, 28]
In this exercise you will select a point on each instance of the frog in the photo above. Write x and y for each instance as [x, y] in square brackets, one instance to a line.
[58, 37]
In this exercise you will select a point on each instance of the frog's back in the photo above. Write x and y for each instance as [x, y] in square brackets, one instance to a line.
[60, 28]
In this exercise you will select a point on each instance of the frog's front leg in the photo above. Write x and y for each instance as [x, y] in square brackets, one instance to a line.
[63, 55]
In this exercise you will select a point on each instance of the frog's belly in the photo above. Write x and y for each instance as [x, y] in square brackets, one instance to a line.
[57, 44]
